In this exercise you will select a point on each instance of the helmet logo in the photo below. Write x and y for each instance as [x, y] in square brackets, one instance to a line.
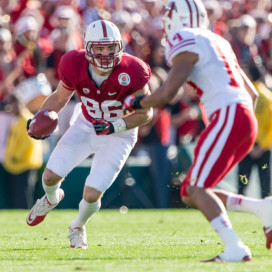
[184, 13]
[124, 79]
[173, 7]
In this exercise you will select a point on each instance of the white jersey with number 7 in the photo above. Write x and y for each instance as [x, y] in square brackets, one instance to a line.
[216, 75]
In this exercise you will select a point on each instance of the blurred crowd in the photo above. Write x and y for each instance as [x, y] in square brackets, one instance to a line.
[35, 34]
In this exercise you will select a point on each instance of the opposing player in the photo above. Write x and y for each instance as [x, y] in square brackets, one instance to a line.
[102, 76]
[207, 62]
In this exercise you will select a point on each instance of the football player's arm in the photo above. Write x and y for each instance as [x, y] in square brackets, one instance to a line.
[182, 65]
[141, 116]
[129, 121]
[250, 88]
[58, 99]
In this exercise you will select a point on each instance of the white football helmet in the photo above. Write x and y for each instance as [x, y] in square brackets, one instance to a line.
[103, 32]
[184, 13]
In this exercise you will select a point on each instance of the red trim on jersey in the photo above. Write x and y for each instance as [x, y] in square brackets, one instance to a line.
[191, 14]
[104, 29]
[197, 13]
[180, 45]
[198, 90]
[67, 88]
[170, 44]
[173, 6]
[203, 114]
[233, 81]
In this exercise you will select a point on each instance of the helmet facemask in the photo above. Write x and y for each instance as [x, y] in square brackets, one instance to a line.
[103, 33]
[104, 63]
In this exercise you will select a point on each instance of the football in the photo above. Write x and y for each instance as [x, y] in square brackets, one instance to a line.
[43, 123]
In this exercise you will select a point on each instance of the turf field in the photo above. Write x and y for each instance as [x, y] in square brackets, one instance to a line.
[139, 240]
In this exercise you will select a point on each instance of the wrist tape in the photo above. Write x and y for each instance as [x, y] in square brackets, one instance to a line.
[119, 125]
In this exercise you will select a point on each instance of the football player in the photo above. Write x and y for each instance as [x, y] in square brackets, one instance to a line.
[206, 61]
[102, 75]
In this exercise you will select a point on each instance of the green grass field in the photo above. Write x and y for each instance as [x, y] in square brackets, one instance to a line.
[140, 240]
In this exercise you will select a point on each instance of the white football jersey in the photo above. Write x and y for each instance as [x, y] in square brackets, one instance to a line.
[216, 75]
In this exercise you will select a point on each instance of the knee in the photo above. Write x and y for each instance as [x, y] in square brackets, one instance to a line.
[186, 200]
[196, 193]
[50, 178]
[193, 193]
[91, 195]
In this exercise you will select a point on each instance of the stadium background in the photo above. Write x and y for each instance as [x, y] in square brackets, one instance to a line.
[63, 22]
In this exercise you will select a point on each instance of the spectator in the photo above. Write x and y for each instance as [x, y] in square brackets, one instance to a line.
[186, 119]
[6, 118]
[47, 9]
[266, 52]
[237, 9]
[23, 157]
[257, 5]
[262, 26]
[33, 86]
[154, 137]
[8, 72]
[89, 12]
[65, 18]
[124, 22]
[187, 125]
[60, 38]
[27, 30]
[13, 8]
[243, 43]
[260, 155]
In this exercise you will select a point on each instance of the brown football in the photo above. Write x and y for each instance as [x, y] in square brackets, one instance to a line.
[44, 123]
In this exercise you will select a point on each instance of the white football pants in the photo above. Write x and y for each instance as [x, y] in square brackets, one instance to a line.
[80, 141]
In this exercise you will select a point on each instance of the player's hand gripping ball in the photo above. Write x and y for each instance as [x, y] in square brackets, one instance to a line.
[42, 125]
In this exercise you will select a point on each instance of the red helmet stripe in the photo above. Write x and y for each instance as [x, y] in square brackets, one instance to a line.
[191, 14]
[104, 29]
[197, 13]
[173, 6]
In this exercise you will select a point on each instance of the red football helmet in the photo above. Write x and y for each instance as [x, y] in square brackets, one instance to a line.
[103, 33]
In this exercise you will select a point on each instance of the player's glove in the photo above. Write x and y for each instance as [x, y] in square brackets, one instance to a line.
[30, 134]
[102, 127]
[132, 103]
